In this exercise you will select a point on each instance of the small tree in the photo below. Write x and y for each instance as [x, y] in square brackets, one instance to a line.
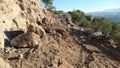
[48, 4]
[116, 33]
[77, 16]
[102, 25]
[58, 12]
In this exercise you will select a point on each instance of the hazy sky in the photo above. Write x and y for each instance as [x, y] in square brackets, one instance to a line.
[86, 5]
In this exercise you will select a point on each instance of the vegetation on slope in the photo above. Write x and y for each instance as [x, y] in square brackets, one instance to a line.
[97, 24]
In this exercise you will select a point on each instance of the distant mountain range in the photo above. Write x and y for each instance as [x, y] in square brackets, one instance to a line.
[111, 14]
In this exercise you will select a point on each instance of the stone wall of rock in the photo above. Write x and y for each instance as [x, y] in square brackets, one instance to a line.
[17, 14]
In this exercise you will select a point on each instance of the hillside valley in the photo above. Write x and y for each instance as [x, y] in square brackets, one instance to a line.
[111, 14]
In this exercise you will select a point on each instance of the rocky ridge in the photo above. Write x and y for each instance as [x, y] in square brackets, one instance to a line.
[63, 45]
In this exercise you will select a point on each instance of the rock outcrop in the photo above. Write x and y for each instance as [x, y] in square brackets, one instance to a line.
[17, 15]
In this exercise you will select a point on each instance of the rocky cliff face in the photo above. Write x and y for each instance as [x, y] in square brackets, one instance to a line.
[17, 14]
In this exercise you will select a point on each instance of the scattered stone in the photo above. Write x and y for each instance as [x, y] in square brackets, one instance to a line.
[20, 57]
[8, 50]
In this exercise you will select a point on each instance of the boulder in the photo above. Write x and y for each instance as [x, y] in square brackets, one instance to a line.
[29, 39]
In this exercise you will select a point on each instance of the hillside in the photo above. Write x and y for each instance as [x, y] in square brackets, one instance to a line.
[111, 15]
[32, 37]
